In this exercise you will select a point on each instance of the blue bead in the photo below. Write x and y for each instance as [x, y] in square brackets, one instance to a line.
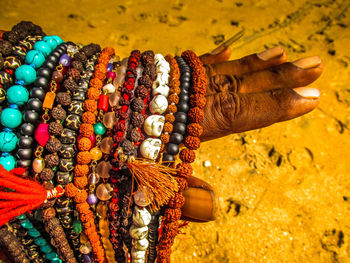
[46, 249]
[26, 224]
[8, 141]
[26, 73]
[8, 161]
[17, 95]
[21, 217]
[51, 255]
[33, 232]
[50, 41]
[40, 241]
[43, 47]
[109, 67]
[35, 57]
[11, 118]
[58, 40]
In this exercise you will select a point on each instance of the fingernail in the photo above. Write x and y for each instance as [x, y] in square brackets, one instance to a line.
[310, 93]
[271, 53]
[227, 43]
[306, 63]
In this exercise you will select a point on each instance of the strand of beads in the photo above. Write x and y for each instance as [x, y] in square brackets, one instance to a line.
[154, 124]
[165, 137]
[51, 160]
[37, 93]
[17, 96]
[173, 212]
[111, 89]
[27, 241]
[84, 157]
[39, 239]
[14, 46]
[14, 57]
[82, 67]
[9, 241]
[119, 172]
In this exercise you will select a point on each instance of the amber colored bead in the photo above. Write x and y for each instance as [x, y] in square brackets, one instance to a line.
[103, 168]
[103, 103]
[49, 100]
[96, 154]
[109, 120]
[107, 145]
[103, 192]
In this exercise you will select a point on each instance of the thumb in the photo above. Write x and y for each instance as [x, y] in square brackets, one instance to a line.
[218, 55]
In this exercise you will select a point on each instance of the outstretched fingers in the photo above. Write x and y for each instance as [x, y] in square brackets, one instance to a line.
[230, 112]
[288, 75]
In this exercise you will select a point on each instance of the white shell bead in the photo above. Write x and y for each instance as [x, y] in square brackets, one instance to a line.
[140, 244]
[150, 148]
[153, 125]
[138, 254]
[158, 104]
[109, 88]
[141, 217]
[138, 232]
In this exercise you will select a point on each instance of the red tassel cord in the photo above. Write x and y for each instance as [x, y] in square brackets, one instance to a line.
[18, 195]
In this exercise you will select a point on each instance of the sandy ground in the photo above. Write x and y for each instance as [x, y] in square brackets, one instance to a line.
[283, 189]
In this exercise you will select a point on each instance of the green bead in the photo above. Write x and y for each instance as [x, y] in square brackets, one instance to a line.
[51, 255]
[26, 73]
[17, 94]
[33, 232]
[8, 162]
[77, 227]
[56, 260]
[43, 47]
[8, 141]
[11, 118]
[26, 224]
[40, 241]
[99, 128]
[46, 249]
[35, 57]
[54, 168]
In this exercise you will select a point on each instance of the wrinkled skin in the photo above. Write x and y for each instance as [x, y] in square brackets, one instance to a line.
[246, 94]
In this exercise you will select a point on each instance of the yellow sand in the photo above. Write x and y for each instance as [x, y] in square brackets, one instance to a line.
[282, 192]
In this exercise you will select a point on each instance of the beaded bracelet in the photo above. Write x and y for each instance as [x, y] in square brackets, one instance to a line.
[12, 245]
[117, 71]
[173, 213]
[82, 169]
[81, 70]
[46, 134]
[119, 203]
[173, 99]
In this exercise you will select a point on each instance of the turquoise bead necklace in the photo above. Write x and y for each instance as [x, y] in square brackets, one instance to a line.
[45, 247]
[18, 95]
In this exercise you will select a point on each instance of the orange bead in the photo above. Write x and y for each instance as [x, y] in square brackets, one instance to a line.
[49, 100]
[96, 154]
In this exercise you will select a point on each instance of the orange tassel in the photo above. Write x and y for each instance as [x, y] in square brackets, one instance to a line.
[156, 181]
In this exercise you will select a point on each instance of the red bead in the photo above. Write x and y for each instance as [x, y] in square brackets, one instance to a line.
[124, 108]
[103, 103]
[111, 75]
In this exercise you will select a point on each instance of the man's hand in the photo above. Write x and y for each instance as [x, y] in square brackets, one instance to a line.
[256, 91]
